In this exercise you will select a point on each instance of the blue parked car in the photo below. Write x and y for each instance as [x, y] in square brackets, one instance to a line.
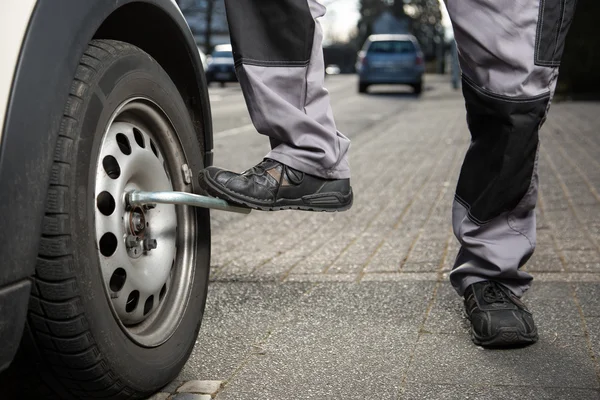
[391, 59]
[221, 67]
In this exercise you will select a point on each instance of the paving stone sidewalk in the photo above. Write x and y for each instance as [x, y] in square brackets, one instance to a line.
[357, 305]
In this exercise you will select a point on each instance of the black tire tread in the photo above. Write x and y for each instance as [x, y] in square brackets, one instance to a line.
[54, 269]
[56, 316]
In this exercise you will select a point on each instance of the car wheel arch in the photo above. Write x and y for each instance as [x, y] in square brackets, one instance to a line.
[176, 54]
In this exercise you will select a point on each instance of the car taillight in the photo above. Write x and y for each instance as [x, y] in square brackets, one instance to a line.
[419, 60]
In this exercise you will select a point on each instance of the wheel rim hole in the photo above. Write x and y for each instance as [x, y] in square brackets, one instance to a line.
[117, 280]
[108, 244]
[124, 144]
[132, 301]
[139, 138]
[111, 166]
[163, 291]
[106, 203]
[153, 147]
[148, 305]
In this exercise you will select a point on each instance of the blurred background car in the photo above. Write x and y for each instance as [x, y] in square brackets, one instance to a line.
[391, 59]
[221, 67]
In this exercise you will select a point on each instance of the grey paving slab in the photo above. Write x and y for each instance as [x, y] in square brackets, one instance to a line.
[402, 276]
[201, 387]
[421, 266]
[563, 362]
[345, 341]
[545, 244]
[322, 278]
[237, 316]
[589, 298]
[160, 396]
[541, 262]
[589, 257]
[172, 387]
[191, 396]
[573, 277]
[573, 239]
[593, 267]
[564, 223]
[428, 250]
[455, 392]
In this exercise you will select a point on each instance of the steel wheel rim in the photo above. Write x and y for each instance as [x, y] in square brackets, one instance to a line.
[147, 288]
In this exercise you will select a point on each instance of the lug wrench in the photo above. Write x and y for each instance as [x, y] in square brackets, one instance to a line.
[140, 198]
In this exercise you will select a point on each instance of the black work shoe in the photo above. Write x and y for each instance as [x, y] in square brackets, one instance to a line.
[498, 317]
[273, 186]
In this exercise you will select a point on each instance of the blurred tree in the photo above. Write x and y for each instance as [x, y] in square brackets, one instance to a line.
[201, 15]
[369, 11]
[426, 23]
[425, 17]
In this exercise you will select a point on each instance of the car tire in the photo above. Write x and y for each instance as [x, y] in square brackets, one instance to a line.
[363, 87]
[86, 348]
[418, 88]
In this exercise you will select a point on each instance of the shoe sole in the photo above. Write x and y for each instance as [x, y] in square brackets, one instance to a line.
[507, 337]
[321, 202]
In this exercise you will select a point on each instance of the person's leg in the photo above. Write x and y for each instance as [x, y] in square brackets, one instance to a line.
[509, 55]
[279, 62]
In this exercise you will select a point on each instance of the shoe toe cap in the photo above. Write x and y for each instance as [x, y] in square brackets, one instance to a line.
[218, 175]
[493, 323]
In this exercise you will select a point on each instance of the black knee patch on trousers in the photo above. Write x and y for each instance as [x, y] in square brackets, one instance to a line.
[276, 33]
[500, 162]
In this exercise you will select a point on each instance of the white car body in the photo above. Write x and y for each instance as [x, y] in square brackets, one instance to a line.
[14, 19]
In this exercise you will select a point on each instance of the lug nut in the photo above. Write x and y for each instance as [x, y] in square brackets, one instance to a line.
[138, 222]
[187, 174]
[131, 241]
[150, 244]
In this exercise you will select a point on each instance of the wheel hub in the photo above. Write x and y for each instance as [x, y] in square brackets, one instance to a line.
[137, 244]
[137, 222]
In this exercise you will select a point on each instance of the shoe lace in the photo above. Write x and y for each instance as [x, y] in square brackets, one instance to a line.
[259, 168]
[492, 293]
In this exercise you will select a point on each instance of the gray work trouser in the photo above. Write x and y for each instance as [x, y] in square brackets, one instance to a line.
[277, 47]
[509, 54]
